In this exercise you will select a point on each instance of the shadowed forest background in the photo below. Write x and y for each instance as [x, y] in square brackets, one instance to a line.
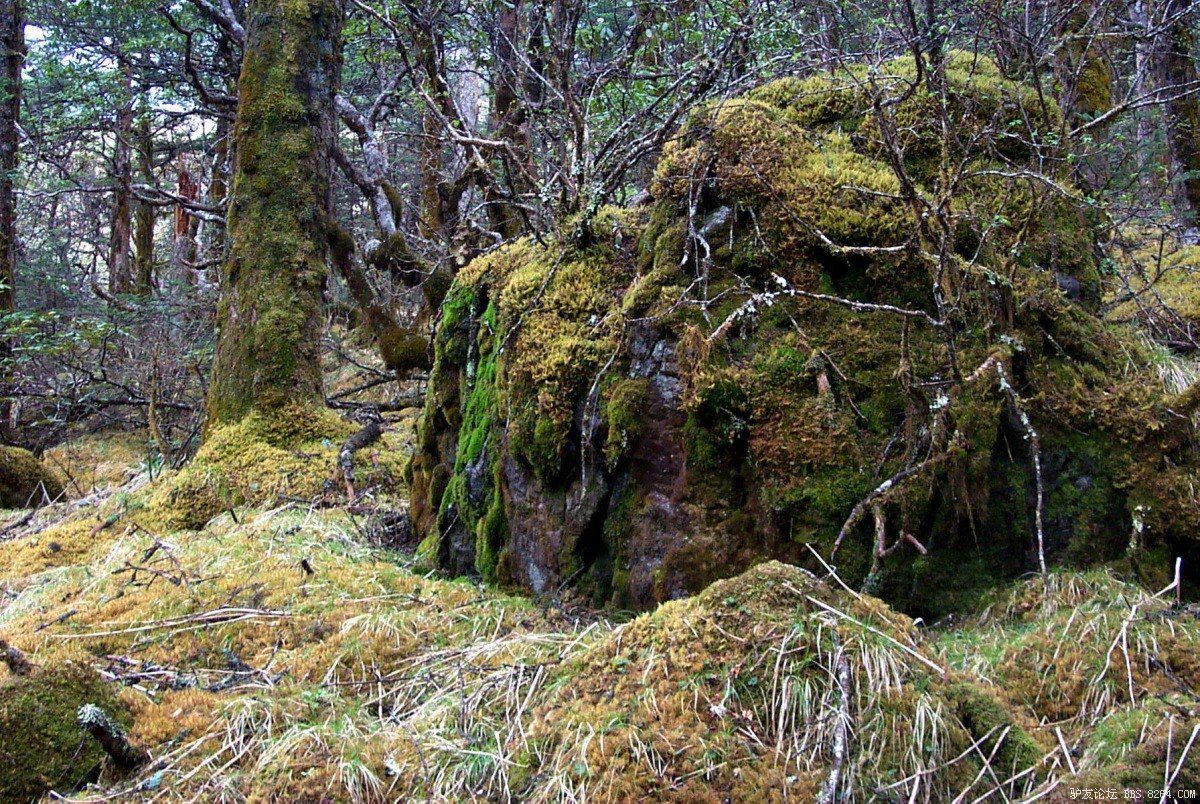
[580, 400]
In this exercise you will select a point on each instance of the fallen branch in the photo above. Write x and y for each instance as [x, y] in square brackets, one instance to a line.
[371, 432]
[214, 617]
[841, 733]
[16, 660]
[125, 755]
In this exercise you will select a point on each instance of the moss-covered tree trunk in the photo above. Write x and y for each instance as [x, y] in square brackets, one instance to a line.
[268, 352]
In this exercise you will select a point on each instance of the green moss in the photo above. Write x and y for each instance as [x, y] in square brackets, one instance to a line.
[623, 415]
[25, 480]
[987, 721]
[491, 534]
[42, 746]
[472, 494]
[717, 424]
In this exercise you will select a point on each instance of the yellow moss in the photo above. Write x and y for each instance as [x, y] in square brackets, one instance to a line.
[1174, 280]
[260, 459]
[757, 655]
[99, 460]
[71, 542]
[362, 644]
[1048, 646]
[174, 715]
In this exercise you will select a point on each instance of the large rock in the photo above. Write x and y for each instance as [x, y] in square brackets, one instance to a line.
[725, 374]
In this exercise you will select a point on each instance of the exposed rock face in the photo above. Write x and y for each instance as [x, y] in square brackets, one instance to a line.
[725, 375]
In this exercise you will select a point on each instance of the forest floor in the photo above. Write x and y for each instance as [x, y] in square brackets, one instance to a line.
[291, 650]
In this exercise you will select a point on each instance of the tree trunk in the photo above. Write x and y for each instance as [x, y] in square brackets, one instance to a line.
[1182, 114]
[430, 222]
[144, 216]
[509, 118]
[12, 40]
[120, 262]
[212, 241]
[268, 351]
[1142, 82]
[183, 249]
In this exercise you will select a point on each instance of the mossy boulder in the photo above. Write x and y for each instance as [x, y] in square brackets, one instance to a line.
[24, 480]
[725, 374]
[42, 747]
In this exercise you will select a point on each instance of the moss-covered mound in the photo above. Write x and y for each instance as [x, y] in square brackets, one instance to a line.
[829, 313]
[1111, 667]
[42, 746]
[754, 688]
[24, 480]
[254, 461]
[291, 454]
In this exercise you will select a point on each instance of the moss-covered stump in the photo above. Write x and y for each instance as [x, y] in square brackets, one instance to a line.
[24, 480]
[42, 747]
[727, 373]
[741, 691]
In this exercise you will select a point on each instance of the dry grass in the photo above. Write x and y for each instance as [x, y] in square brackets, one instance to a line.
[362, 679]
[1105, 667]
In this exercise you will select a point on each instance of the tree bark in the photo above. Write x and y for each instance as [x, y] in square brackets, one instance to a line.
[427, 46]
[12, 41]
[1182, 111]
[145, 215]
[120, 262]
[509, 119]
[270, 311]
[183, 248]
[12, 44]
